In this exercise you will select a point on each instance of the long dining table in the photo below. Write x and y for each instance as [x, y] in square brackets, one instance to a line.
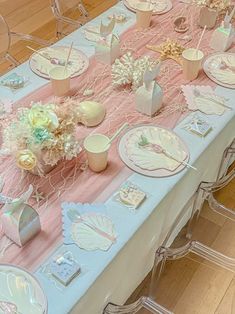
[112, 276]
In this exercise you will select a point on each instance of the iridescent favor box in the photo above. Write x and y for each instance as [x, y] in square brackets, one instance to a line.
[20, 225]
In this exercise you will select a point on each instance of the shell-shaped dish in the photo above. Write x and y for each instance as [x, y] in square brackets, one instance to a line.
[150, 160]
[78, 61]
[224, 76]
[220, 68]
[21, 290]
[156, 5]
[230, 61]
[159, 6]
[208, 106]
[94, 232]
[172, 143]
[207, 101]
[180, 24]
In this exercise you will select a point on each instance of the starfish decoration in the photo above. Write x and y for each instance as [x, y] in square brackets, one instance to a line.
[38, 196]
[169, 50]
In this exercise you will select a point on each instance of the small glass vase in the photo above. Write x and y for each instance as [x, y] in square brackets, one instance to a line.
[207, 17]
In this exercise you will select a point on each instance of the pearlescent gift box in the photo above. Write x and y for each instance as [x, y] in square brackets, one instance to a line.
[20, 225]
[108, 49]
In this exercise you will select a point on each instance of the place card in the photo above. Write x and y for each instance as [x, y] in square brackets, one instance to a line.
[64, 268]
[14, 81]
[130, 195]
[199, 126]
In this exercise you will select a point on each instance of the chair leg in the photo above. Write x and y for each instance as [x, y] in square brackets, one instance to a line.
[83, 10]
[12, 60]
[133, 308]
[227, 160]
[32, 38]
[59, 28]
[199, 200]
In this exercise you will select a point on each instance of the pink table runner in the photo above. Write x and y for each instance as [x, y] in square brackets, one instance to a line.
[67, 182]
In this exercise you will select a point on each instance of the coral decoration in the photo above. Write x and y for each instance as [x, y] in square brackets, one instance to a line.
[130, 71]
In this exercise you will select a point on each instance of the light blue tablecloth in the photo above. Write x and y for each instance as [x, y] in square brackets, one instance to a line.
[127, 223]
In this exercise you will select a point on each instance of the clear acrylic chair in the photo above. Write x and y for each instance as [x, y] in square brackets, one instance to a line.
[143, 304]
[156, 302]
[6, 39]
[206, 191]
[166, 259]
[63, 9]
[185, 280]
[227, 159]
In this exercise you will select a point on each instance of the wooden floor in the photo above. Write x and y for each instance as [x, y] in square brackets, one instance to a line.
[35, 17]
[191, 285]
[188, 286]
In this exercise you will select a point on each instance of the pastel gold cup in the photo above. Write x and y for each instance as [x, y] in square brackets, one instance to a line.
[144, 13]
[60, 81]
[97, 147]
[191, 62]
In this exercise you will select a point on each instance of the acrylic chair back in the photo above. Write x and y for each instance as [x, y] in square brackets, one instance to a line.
[5, 37]
[68, 12]
[64, 7]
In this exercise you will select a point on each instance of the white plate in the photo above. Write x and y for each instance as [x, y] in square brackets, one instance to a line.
[167, 6]
[163, 166]
[41, 66]
[214, 69]
[21, 289]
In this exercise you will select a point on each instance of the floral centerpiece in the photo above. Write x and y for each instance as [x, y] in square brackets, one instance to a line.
[40, 136]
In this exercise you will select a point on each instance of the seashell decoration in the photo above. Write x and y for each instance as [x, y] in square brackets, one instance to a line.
[128, 70]
[185, 38]
[88, 92]
[180, 25]
[91, 113]
[119, 18]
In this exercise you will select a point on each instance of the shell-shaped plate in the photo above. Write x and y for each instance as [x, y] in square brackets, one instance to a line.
[220, 68]
[150, 160]
[41, 66]
[207, 106]
[159, 6]
[229, 60]
[21, 290]
[225, 76]
[86, 235]
[156, 5]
